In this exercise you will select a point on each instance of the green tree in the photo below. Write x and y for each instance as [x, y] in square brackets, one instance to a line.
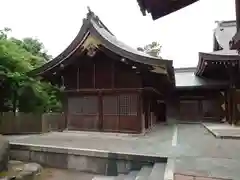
[18, 90]
[153, 49]
[36, 48]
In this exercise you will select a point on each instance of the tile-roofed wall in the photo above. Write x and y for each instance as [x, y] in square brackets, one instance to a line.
[186, 78]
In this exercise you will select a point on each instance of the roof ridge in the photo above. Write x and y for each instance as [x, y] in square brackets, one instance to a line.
[92, 16]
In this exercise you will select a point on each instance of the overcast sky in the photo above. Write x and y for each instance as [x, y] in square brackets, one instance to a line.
[56, 22]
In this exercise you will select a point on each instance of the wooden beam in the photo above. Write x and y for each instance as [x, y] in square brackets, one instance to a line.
[100, 111]
[237, 4]
[113, 74]
[78, 78]
[94, 75]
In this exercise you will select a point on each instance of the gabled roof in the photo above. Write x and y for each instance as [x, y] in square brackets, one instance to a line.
[222, 55]
[160, 8]
[94, 32]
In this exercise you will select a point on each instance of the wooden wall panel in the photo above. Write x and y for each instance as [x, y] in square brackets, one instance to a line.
[83, 122]
[126, 77]
[83, 113]
[208, 108]
[129, 124]
[120, 113]
[103, 74]
[110, 113]
[111, 123]
[212, 110]
[189, 110]
[70, 77]
[86, 75]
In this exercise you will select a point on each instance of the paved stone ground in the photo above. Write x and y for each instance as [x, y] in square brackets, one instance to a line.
[60, 174]
[225, 130]
[189, 177]
[194, 149]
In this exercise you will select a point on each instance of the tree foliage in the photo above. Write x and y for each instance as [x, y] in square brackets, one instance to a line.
[18, 90]
[153, 49]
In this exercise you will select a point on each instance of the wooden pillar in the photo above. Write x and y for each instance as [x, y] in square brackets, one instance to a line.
[200, 110]
[113, 74]
[226, 112]
[100, 111]
[232, 109]
[140, 111]
[65, 109]
[78, 78]
[237, 3]
[94, 75]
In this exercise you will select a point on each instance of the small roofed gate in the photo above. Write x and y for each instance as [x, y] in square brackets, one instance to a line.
[109, 112]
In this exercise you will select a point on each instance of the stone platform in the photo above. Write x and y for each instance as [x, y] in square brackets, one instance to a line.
[224, 131]
[191, 148]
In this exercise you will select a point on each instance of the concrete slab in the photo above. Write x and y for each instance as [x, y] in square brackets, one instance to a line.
[156, 143]
[224, 131]
[189, 145]
[144, 173]
[158, 171]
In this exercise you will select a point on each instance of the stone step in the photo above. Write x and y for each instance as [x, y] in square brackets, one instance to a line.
[104, 178]
[158, 171]
[120, 177]
[144, 173]
[131, 176]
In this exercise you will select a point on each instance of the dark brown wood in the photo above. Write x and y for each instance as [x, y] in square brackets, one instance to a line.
[78, 80]
[160, 8]
[94, 75]
[237, 9]
[113, 74]
[65, 109]
[100, 111]
[139, 111]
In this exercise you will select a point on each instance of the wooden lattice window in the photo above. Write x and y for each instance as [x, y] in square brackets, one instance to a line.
[83, 105]
[127, 104]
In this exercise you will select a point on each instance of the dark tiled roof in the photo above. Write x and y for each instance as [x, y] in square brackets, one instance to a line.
[186, 78]
[160, 8]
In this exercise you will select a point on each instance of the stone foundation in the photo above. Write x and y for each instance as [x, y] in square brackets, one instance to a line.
[99, 162]
[4, 153]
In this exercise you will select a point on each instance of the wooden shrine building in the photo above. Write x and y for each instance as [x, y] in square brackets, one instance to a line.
[109, 86]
